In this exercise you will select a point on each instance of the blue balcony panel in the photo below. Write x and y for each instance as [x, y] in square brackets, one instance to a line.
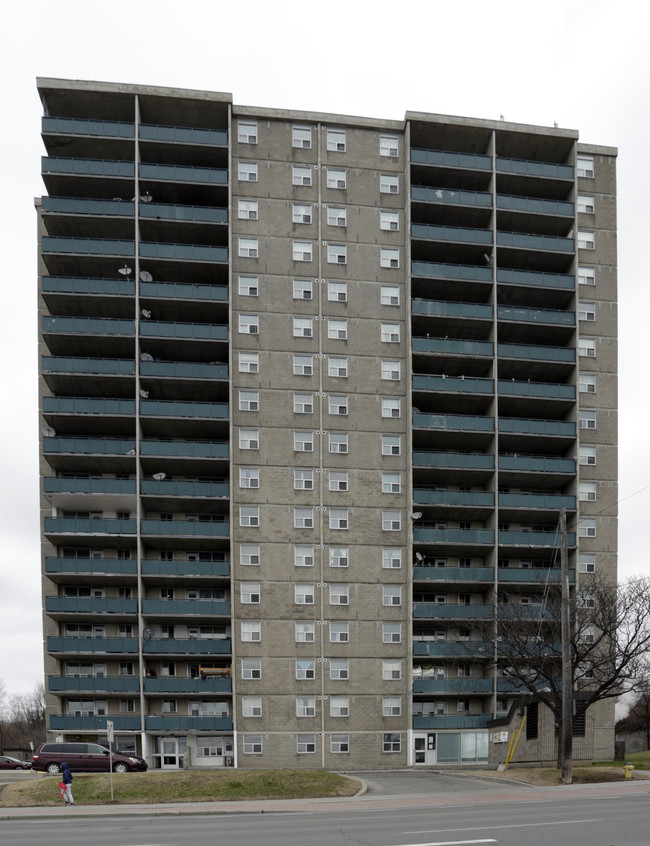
[456, 460]
[87, 285]
[466, 686]
[450, 346]
[89, 605]
[440, 611]
[184, 291]
[94, 684]
[537, 315]
[454, 234]
[536, 464]
[539, 576]
[179, 685]
[453, 384]
[484, 575]
[95, 526]
[121, 722]
[446, 196]
[184, 135]
[423, 723]
[88, 405]
[433, 270]
[537, 353]
[533, 205]
[521, 500]
[63, 484]
[188, 646]
[93, 645]
[88, 566]
[536, 278]
[550, 170]
[88, 246]
[169, 487]
[476, 499]
[89, 366]
[171, 408]
[97, 128]
[447, 308]
[183, 252]
[520, 425]
[187, 607]
[181, 173]
[169, 329]
[185, 449]
[536, 389]
[526, 241]
[192, 724]
[447, 649]
[424, 534]
[87, 167]
[453, 422]
[185, 527]
[89, 446]
[444, 158]
[183, 370]
[190, 214]
[100, 208]
[87, 325]
[546, 540]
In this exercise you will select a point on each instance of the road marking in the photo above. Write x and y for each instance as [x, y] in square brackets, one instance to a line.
[491, 827]
[448, 843]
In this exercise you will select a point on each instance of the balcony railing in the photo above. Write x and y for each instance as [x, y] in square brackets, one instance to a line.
[87, 167]
[186, 607]
[99, 208]
[434, 270]
[184, 291]
[184, 135]
[93, 684]
[85, 285]
[520, 425]
[94, 526]
[185, 449]
[477, 499]
[88, 405]
[87, 325]
[439, 308]
[535, 278]
[444, 158]
[64, 484]
[474, 461]
[187, 646]
[180, 685]
[211, 569]
[94, 366]
[533, 576]
[485, 575]
[168, 487]
[536, 242]
[191, 214]
[448, 721]
[536, 389]
[536, 315]
[453, 234]
[88, 246]
[191, 724]
[425, 194]
[183, 252]
[450, 346]
[121, 722]
[467, 686]
[185, 527]
[537, 353]
[453, 384]
[183, 370]
[447, 649]
[98, 128]
[199, 331]
[172, 408]
[537, 464]
[533, 205]
[180, 173]
[89, 605]
[453, 422]
[425, 534]
[548, 540]
[440, 611]
[89, 446]
[108, 566]
[93, 645]
[521, 500]
[529, 168]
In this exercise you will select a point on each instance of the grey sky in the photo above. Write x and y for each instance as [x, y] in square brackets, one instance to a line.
[582, 63]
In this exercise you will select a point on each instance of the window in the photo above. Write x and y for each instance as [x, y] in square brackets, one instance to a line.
[303, 518]
[338, 518]
[249, 400]
[251, 668]
[391, 670]
[391, 370]
[586, 599]
[338, 442]
[302, 251]
[337, 216]
[336, 178]
[303, 365]
[251, 706]
[586, 275]
[391, 483]
[390, 333]
[301, 213]
[390, 295]
[249, 477]
[586, 204]
[251, 631]
[338, 404]
[305, 744]
[301, 176]
[389, 146]
[305, 632]
[337, 292]
[303, 403]
[389, 221]
[586, 311]
[247, 171]
[587, 528]
[337, 329]
[339, 632]
[169, 706]
[305, 669]
[249, 554]
[339, 556]
[339, 595]
[249, 362]
[250, 593]
[391, 521]
[302, 289]
[248, 286]
[303, 441]
[127, 705]
[389, 183]
[339, 743]
[586, 240]
[336, 140]
[338, 480]
[337, 254]
[587, 455]
[389, 257]
[587, 347]
[247, 132]
[337, 368]
[252, 744]
[391, 707]
[339, 706]
[303, 480]
[391, 444]
[391, 558]
[586, 562]
[301, 137]
[464, 672]
[587, 492]
[462, 706]
[586, 419]
[585, 166]
[587, 383]
[249, 324]
[249, 439]
[305, 706]
[391, 632]
[302, 327]
[391, 595]
[339, 669]
[303, 556]
[304, 594]
[247, 210]
[391, 407]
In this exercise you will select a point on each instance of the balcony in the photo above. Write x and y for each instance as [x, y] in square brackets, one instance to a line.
[94, 526]
[62, 484]
[435, 270]
[184, 135]
[87, 366]
[184, 291]
[86, 566]
[445, 196]
[522, 426]
[466, 575]
[453, 384]
[190, 528]
[97, 128]
[447, 721]
[546, 540]
[455, 460]
[538, 243]
[537, 464]
[536, 389]
[185, 608]
[468, 499]
[187, 646]
[533, 576]
[442, 611]
[93, 684]
[466, 161]
[89, 405]
[184, 252]
[67, 722]
[532, 205]
[87, 326]
[89, 446]
[186, 214]
[92, 645]
[537, 315]
[433, 308]
[453, 422]
[87, 167]
[446, 649]
[537, 501]
[464, 686]
[451, 347]
[197, 410]
[463, 537]
[90, 605]
[84, 285]
[199, 331]
[187, 686]
[183, 370]
[535, 278]
[170, 488]
[181, 173]
[527, 352]
[457, 235]
[96, 208]
[191, 724]
[88, 246]
[185, 449]
[549, 170]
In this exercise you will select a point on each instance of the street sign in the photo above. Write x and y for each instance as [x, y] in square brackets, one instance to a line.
[109, 731]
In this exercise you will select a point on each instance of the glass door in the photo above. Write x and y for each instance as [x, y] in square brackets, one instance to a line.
[169, 754]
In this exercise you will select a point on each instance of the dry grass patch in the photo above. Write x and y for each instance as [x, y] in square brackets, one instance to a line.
[548, 777]
[195, 786]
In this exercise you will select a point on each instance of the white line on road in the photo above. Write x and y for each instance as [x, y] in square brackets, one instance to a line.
[491, 827]
[448, 843]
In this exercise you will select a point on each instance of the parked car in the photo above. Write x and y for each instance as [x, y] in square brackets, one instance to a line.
[7, 763]
[83, 758]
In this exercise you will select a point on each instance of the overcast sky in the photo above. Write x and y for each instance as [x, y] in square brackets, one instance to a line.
[584, 64]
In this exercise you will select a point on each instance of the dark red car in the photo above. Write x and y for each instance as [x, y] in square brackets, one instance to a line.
[7, 763]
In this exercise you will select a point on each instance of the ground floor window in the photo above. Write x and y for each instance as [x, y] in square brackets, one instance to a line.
[212, 747]
[467, 747]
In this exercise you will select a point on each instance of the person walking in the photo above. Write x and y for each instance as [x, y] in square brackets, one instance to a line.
[67, 781]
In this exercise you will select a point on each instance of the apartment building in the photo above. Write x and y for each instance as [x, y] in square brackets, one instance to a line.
[314, 390]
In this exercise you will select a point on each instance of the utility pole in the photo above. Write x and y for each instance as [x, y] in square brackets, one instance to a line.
[566, 737]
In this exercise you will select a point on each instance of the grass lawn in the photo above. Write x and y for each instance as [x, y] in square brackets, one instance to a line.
[641, 761]
[159, 787]
[548, 777]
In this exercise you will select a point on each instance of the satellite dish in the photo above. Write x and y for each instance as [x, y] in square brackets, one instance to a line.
[48, 432]
[144, 394]
[146, 197]
[124, 271]
[131, 452]
[145, 276]
[416, 515]
[159, 476]
[419, 557]
[146, 357]
[145, 312]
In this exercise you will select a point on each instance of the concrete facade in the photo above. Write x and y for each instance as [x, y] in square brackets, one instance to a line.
[310, 386]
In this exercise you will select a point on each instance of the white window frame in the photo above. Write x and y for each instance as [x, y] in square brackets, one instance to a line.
[305, 632]
[304, 594]
[338, 404]
[247, 131]
[587, 491]
[585, 166]
[391, 706]
[249, 477]
[587, 311]
[303, 555]
[339, 519]
[587, 527]
[249, 324]
[303, 479]
[587, 347]
[247, 171]
[305, 706]
[303, 403]
[337, 292]
[249, 400]
[339, 706]
[391, 632]
[303, 365]
[302, 251]
[391, 669]
[249, 248]
[251, 631]
[251, 669]
[390, 295]
[391, 558]
[337, 330]
[301, 176]
[252, 744]
[339, 631]
[303, 517]
[389, 183]
[250, 593]
[391, 520]
[338, 480]
[337, 254]
[338, 443]
[586, 562]
[249, 286]
[587, 383]
[389, 257]
[587, 418]
[303, 327]
[301, 137]
[248, 210]
[339, 743]
[249, 362]
[303, 441]
[249, 439]
[339, 594]
[391, 444]
[251, 706]
[337, 216]
[336, 141]
[337, 179]
[390, 333]
[249, 554]
[339, 556]
[303, 289]
[389, 146]
[586, 240]
[305, 669]
[391, 408]
[391, 483]
[339, 669]
[391, 596]
[301, 213]
[389, 221]
[586, 275]
[337, 367]
[305, 744]
[391, 370]
[586, 204]
[587, 456]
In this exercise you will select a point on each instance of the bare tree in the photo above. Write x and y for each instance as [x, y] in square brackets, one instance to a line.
[638, 718]
[610, 642]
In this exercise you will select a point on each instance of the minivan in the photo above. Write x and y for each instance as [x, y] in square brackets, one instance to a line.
[83, 757]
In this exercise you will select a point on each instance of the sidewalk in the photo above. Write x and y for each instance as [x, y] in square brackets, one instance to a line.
[361, 802]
